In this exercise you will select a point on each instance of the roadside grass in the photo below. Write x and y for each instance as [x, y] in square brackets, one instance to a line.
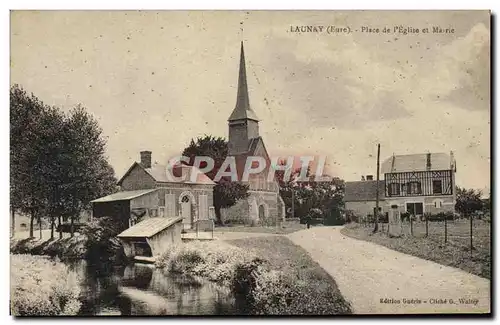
[455, 253]
[281, 230]
[319, 288]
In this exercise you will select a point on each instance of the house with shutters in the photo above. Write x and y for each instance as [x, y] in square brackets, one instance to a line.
[415, 183]
[148, 192]
[419, 183]
[178, 195]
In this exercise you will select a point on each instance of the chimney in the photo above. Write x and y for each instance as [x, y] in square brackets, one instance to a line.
[428, 161]
[369, 177]
[146, 159]
[363, 178]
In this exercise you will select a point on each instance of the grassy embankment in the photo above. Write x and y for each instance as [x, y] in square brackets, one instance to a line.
[274, 275]
[40, 286]
[455, 253]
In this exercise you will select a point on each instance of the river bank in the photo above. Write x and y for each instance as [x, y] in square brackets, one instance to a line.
[274, 276]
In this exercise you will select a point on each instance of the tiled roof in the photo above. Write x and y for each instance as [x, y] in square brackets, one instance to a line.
[123, 196]
[363, 191]
[149, 227]
[415, 162]
[159, 173]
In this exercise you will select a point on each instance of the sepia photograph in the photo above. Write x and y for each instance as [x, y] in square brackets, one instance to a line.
[250, 163]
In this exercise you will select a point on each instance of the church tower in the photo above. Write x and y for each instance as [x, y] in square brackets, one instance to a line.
[243, 122]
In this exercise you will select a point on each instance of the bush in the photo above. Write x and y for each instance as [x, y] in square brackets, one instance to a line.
[42, 287]
[102, 243]
[218, 262]
[440, 216]
[279, 293]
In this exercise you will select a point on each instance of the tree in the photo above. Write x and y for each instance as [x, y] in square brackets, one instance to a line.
[87, 174]
[468, 201]
[26, 187]
[226, 192]
[57, 160]
[328, 196]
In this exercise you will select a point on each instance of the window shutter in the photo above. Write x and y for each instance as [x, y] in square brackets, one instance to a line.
[170, 205]
[203, 204]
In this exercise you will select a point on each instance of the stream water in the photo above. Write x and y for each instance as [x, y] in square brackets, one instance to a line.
[139, 289]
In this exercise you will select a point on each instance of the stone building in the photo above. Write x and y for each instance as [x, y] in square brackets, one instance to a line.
[190, 200]
[264, 204]
[360, 196]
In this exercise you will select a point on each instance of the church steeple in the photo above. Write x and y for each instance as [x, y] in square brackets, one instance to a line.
[243, 122]
[242, 109]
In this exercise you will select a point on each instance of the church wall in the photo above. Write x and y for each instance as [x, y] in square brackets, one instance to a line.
[246, 211]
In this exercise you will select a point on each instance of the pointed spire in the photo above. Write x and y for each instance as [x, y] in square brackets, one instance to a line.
[242, 109]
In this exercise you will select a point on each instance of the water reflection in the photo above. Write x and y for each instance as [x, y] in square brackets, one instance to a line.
[143, 290]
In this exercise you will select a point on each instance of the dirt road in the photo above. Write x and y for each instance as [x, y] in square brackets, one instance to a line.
[378, 280]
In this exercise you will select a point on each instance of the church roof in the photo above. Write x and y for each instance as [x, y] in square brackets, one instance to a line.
[242, 109]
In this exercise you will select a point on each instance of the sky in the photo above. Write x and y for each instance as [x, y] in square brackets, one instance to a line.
[156, 79]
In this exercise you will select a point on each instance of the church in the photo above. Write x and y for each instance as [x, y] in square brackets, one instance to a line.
[147, 192]
[264, 205]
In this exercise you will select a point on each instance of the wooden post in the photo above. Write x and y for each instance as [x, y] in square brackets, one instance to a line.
[426, 227]
[471, 247]
[377, 189]
[445, 229]
[411, 224]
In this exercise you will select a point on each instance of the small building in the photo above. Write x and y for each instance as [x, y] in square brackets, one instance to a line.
[127, 207]
[151, 237]
[415, 183]
[191, 199]
[360, 196]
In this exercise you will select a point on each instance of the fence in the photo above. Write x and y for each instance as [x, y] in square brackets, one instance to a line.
[457, 231]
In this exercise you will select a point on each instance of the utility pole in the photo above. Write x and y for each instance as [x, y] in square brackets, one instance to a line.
[377, 189]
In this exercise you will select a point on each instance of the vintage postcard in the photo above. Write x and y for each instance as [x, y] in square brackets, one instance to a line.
[250, 163]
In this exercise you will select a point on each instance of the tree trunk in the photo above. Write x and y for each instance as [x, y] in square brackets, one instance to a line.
[71, 227]
[13, 221]
[218, 216]
[59, 226]
[32, 223]
[52, 224]
[40, 226]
